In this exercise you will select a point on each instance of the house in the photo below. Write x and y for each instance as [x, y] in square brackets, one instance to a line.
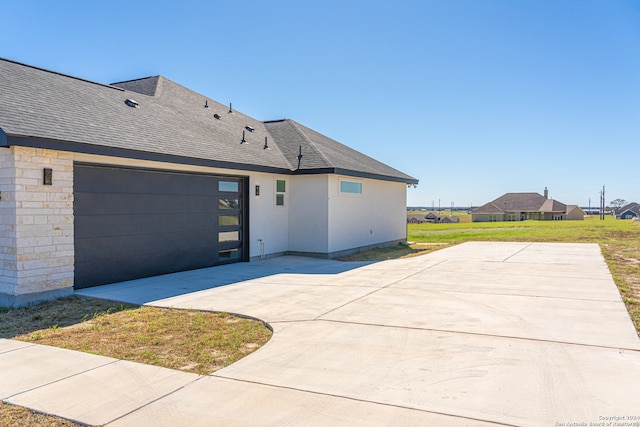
[105, 183]
[526, 206]
[431, 217]
[415, 219]
[450, 220]
[628, 211]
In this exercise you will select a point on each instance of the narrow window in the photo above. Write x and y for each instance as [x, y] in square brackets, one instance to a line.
[228, 203]
[228, 220]
[228, 236]
[350, 187]
[229, 254]
[281, 186]
[228, 186]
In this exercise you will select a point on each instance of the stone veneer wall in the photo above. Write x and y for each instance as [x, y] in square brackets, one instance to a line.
[36, 226]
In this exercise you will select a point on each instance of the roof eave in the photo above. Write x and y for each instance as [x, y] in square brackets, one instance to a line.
[356, 174]
[101, 150]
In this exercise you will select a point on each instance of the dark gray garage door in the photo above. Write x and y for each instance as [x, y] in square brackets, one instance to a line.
[133, 223]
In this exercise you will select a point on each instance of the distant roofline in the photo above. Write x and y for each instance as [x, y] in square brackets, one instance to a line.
[60, 74]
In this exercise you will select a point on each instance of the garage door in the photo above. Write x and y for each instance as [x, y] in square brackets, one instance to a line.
[134, 223]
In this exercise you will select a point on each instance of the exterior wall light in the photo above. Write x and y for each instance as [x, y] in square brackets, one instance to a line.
[47, 176]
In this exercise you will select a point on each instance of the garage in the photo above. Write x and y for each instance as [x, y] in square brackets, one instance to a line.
[132, 223]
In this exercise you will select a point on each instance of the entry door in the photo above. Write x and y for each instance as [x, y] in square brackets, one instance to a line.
[231, 220]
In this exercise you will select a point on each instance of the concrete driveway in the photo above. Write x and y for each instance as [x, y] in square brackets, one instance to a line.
[477, 334]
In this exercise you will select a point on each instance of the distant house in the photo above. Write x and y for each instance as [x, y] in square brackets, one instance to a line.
[431, 217]
[526, 206]
[415, 219]
[628, 211]
[450, 219]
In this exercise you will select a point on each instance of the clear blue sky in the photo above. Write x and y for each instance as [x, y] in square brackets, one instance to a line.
[475, 98]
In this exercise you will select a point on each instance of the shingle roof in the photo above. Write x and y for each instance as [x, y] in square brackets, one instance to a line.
[633, 207]
[43, 108]
[320, 152]
[521, 202]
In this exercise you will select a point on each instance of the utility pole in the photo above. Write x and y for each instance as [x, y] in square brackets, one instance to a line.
[602, 203]
[589, 205]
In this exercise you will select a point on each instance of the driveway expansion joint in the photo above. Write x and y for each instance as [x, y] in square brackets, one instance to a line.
[373, 402]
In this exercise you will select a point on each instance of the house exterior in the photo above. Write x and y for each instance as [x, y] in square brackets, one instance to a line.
[526, 206]
[628, 211]
[431, 217]
[105, 183]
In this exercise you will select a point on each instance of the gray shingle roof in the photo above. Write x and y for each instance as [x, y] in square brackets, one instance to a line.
[320, 152]
[521, 202]
[170, 120]
[633, 207]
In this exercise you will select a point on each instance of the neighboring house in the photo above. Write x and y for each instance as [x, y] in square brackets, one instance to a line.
[628, 211]
[431, 217]
[415, 219]
[526, 206]
[450, 219]
[106, 183]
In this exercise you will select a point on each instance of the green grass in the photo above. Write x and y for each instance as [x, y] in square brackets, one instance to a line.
[590, 230]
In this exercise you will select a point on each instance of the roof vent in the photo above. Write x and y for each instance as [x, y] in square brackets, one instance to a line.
[230, 109]
[266, 145]
[249, 128]
[131, 103]
[217, 116]
[242, 141]
[206, 104]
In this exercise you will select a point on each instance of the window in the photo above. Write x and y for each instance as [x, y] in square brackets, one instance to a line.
[228, 204]
[228, 220]
[281, 187]
[228, 186]
[350, 187]
[228, 236]
[229, 254]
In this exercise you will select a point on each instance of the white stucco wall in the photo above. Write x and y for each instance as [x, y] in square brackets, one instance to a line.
[268, 222]
[309, 214]
[378, 215]
[36, 224]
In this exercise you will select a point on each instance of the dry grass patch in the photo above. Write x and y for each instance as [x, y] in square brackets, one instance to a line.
[11, 415]
[188, 340]
[395, 252]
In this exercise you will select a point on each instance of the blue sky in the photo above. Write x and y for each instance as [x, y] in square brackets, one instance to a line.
[475, 98]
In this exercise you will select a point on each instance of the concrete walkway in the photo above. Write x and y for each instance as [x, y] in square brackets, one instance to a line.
[477, 334]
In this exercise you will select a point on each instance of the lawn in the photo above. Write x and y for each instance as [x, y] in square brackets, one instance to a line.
[187, 340]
